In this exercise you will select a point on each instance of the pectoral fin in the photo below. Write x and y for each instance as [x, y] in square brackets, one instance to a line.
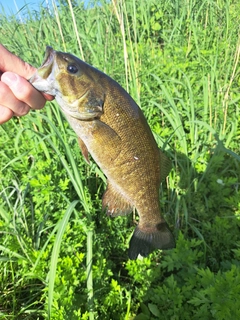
[107, 142]
[115, 203]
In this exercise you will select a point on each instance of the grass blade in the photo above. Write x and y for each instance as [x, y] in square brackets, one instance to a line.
[55, 254]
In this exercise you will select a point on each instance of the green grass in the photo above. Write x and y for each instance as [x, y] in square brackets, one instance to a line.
[61, 258]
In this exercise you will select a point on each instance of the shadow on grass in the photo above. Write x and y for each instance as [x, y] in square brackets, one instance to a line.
[192, 280]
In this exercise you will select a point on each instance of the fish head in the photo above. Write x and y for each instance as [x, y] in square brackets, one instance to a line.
[72, 82]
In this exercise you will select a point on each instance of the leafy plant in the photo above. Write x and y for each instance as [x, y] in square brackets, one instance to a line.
[61, 257]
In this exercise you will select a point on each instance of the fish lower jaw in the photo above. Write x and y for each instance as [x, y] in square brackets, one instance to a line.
[42, 85]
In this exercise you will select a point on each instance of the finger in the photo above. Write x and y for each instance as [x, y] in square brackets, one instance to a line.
[10, 62]
[47, 96]
[8, 100]
[23, 91]
[5, 114]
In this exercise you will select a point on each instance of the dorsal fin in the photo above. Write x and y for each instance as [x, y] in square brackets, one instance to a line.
[165, 165]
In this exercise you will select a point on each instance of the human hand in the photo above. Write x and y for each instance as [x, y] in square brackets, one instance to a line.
[17, 95]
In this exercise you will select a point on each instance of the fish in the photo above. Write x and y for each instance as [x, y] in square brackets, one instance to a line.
[111, 127]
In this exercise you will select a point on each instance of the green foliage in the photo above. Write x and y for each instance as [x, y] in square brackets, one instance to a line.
[61, 257]
[182, 288]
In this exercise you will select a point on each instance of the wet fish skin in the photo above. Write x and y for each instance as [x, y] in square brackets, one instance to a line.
[113, 129]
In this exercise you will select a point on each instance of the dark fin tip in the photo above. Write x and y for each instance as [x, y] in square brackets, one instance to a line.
[143, 242]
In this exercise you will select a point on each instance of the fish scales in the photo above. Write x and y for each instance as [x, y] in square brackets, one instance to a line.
[113, 129]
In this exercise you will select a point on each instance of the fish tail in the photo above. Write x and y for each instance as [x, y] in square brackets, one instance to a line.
[145, 240]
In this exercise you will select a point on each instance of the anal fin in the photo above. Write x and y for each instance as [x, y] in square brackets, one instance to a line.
[114, 203]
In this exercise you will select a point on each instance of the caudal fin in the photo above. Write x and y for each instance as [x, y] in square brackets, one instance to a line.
[144, 241]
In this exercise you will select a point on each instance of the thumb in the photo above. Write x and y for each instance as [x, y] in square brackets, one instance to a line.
[10, 62]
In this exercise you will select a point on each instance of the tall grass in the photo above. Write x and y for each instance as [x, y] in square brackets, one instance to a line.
[180, 61]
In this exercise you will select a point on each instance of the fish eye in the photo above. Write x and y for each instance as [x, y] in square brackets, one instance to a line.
[71, 68]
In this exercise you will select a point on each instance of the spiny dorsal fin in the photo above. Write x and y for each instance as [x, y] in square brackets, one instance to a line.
[165, 165]
[114, 203]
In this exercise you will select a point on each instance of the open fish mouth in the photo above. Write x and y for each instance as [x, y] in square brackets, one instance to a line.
[48, 58]
[43, 79]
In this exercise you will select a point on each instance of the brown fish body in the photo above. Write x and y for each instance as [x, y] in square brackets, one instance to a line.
[112, 128]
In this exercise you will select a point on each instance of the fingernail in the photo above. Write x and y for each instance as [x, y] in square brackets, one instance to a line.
[9, 78]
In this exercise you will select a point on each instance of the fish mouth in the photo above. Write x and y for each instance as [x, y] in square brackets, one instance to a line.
[48, 58]
[43, 78]
[46, 68]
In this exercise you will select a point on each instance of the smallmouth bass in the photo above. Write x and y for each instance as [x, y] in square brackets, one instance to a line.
[112, 128]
